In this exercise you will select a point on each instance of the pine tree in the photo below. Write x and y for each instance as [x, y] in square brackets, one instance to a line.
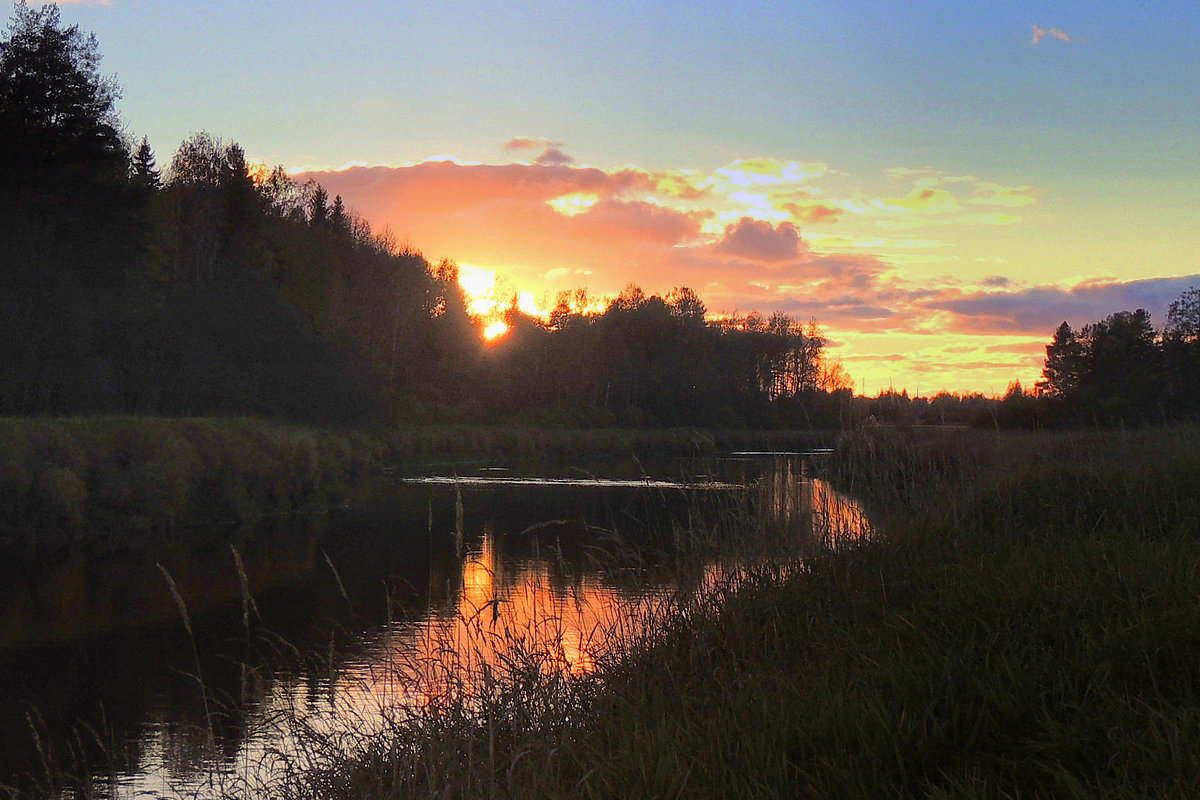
[318, 207]
[338, 217]
[58, 118]
[1064, 362]
[144, 172]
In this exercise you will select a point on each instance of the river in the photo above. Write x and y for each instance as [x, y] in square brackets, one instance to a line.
[183, 674]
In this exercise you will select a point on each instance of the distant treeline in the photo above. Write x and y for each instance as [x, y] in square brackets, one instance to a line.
[1117, 371]
[654, 361]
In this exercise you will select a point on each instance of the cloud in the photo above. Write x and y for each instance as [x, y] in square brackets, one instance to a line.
[538, 227]
[553, 157]
[813, 213]
[761, 241]
[765, 171]
[1040, 33]
[646, 222]
[529, 143]
[988, 193]
[1040, 309]
[924, 201]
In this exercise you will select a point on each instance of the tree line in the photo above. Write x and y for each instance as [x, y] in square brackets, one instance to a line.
[1117, 371]
[216, 286]
[1122, 370]
[648, 360]
[211, 286]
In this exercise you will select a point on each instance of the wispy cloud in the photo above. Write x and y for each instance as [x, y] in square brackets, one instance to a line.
[529, 143]
[1040, 33]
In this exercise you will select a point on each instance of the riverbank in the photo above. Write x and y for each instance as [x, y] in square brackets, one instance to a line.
[104, 484]
[1026, 622]
[113, 483]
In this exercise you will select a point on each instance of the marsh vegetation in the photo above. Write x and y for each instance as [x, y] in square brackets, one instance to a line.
[1025, 622]
[285, 645]
[198, 603]
[1022, 620]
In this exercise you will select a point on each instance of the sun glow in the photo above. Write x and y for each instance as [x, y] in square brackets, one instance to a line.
[527, 304]
[495, 331]
[571, 204]
[476, 281]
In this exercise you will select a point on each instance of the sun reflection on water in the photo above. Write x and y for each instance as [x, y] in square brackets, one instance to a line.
[504, 613]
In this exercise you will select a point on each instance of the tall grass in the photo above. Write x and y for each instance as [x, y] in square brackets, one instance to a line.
[120, 482]
[1025, 623]
[117, 482]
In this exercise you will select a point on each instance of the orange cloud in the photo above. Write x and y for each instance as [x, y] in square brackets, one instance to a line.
[815, 213]
[744, 243]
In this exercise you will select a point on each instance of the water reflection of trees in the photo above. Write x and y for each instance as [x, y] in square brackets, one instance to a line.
[536, 610]
[552, 600]
[794, 502]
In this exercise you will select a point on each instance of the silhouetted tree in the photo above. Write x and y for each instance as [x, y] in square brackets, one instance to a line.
[1183, 316]
[1121, 380]
[143, 171]
[57, 113]
[1064, 362]
[339, 218]
[318, 207]
[1181, 352]
[63, 162]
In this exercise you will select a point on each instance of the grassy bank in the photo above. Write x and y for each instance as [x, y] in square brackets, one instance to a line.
[1026, 624]
[416, 447]
[116, 482]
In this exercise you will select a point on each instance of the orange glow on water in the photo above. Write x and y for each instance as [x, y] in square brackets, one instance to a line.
[510, 613]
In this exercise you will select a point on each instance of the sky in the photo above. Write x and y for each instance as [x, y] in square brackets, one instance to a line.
[938, 184]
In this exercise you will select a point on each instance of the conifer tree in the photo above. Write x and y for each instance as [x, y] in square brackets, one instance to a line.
[1064, 361]
[58, 118]
[144, 172]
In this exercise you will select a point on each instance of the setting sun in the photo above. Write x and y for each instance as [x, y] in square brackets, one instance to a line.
[495, 330]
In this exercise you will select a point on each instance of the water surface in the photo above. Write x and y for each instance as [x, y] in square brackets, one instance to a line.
[343, 622]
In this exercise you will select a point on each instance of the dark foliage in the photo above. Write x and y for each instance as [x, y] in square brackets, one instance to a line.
[1119, 370]
[654, 361]
[221, 289]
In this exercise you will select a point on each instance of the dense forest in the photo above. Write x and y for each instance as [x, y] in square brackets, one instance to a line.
[217, 286]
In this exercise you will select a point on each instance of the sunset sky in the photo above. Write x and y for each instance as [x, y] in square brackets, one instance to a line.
[938, 184]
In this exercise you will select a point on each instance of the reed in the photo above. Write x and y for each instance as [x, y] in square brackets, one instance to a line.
[1025, 623]
[110, 483]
